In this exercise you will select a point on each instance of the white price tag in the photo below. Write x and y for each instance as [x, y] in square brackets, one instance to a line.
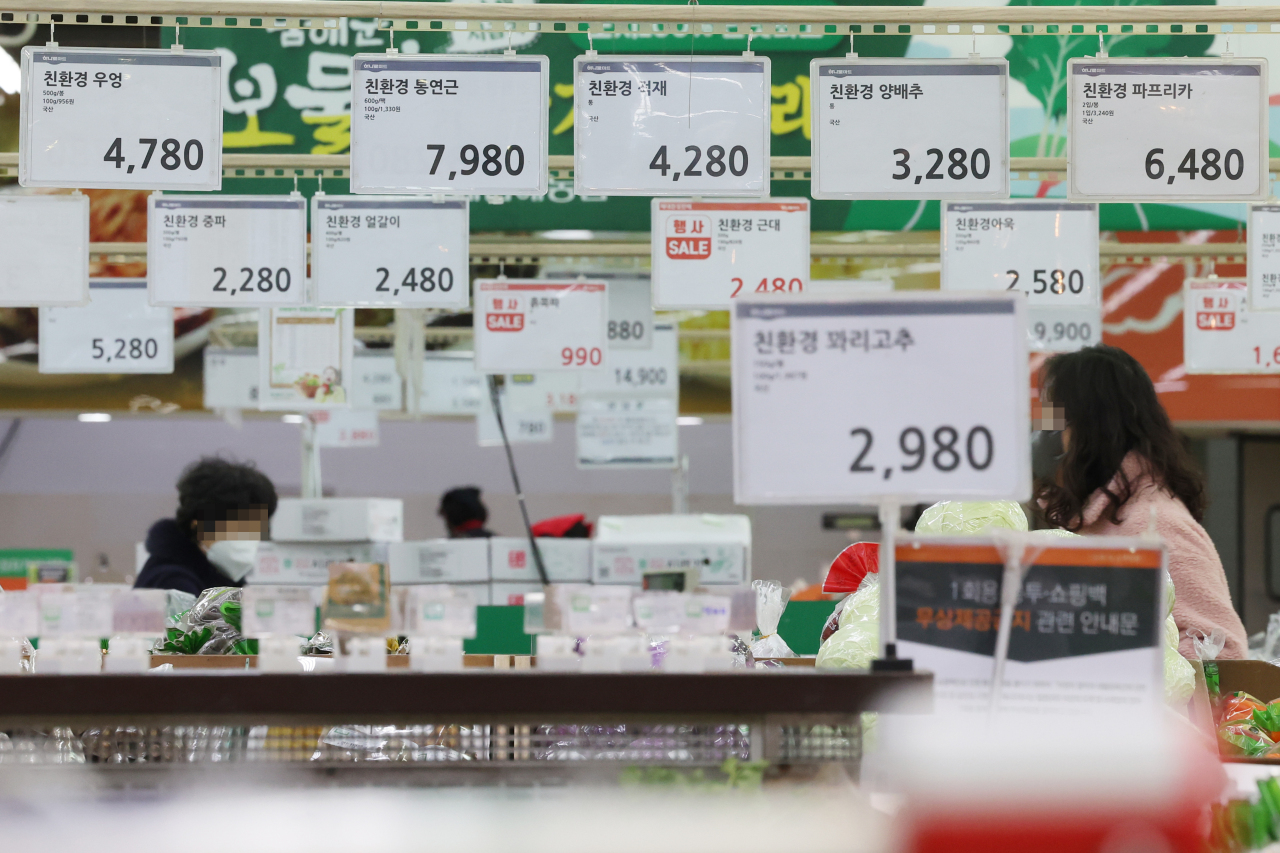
[305, 357]
[1220, 332]
[456, 124]
[1166, 129]
[140, 612]
[634, 373]
[1047, 250]
[278, 611]
[439, 610]
[910, 128]
[121, 119]
[230, 378]
[661, 125]
[1264, 257]
[707, 253]
[918, 397]
[627, 433]
[523, 426]
[346, 428]
[46, 256]
[451, 385]
[534, 325]
[630, 312]
[555, 392]
[117, 332]
[227, 251]
[399, 252]
[377, 384]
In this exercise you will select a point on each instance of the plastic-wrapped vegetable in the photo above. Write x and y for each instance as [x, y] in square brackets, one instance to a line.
[210, 627]
[1179, 675]
[1244, 739]
[1239, 707]
[857, 642]
[966, 518]
[771, 601]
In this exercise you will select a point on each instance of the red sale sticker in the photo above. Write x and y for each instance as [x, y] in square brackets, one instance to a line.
[688, 237]
[504, 322]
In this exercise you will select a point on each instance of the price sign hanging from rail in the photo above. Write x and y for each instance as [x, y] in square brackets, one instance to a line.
[526, 326]
[1167, 129]
[1047, 250]
[117, 332]
[1222, 334]
[46, 252]
[910, 128]
[658, 125]
[305, 358]
[633, 373]
[913, 397]
[707, 253]
[227, 251]
[121, 119]
[1264, 257]
[396, 252]
[621, 432]
[457, 124]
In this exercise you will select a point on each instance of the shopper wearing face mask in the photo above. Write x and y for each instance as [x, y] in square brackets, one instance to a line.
[212, 540]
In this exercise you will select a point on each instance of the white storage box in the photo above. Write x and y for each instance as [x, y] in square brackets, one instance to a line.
[338, 520]
[566, 560]
[455, 561]
[308, 563]
[626, 546]
[511, 593]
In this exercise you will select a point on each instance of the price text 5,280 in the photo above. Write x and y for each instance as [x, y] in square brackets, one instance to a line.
[717, 164]
[948, 450]
[956, 164]
[173, 154]
[426, 280]
[262, 280]
[1210, 165]
[132, 349]
[1050, 281]
[490, 160]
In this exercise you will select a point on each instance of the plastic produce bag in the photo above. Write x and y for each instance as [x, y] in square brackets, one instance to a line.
[1239, 707]
[1244, 739]
[210, 627]
[1179, 675]
[857, 641]
[966, 518]
[771, 601]
[1207, 649]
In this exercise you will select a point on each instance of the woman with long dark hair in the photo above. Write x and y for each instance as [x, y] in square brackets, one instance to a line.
[1124, 466]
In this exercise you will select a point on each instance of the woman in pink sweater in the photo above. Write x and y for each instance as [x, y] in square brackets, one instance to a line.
[1124, 467]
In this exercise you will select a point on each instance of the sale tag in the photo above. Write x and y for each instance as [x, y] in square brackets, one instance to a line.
[658, 125]
[1220, 332]
[1264, 257]
[1047, 250]
[910, 128]
[117, 332]
[555, 392]
[456, 124]
[397, 252]
[527, 326]
[917, 397]
[46, 250]
[121, 119]
[627, 433]
[1166, 129]
[706, 253]
[632, 373]
[305, 357]
[227, 251]
[451, 385]
[346, 428]
[523, 426]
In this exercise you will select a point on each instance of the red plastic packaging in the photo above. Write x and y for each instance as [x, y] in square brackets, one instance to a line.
[851, 566]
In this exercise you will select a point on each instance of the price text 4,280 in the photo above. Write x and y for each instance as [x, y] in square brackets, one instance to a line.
[132, 349]
[718, 162]
[956, 164]
[425, 280]
[948, 450]
[490, 160]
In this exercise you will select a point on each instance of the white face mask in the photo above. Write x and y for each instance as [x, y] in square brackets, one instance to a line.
[236, 557]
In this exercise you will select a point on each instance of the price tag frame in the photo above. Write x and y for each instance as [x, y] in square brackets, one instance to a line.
[485, 288]
[112, 285]
[344, 318]
[1188, 66]
[1258, 299]
[125, 58]
[908, 67]
[458, 369]
[16, 213]
[584, 182]
[1240, 317]
[587, 412]
[664, 355]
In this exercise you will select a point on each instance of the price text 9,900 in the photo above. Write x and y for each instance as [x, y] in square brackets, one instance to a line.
[950, 450]
[1060, 331]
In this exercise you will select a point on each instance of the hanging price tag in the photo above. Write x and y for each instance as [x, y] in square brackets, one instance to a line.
[555, 392]
[706, 253]
[639, 432]
[230, 378]
[530, 326]
[377, 384]
[451, 385]
[121, 119]
[630, 312]
[1220, 332]
[457, 124]
[524, 426]
[46, 258]
[227, 251]
[305, 357]
[910, 128]
[346, 428]
[1264, 257]
[914, 396]
[1047, 250]
[117, 332]
[632, 373]
[658, 125]
[408, 253]
[1165, 129]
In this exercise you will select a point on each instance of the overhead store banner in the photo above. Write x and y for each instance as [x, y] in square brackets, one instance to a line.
[117, 332]
[126, 119]
[305, 358]
[1222, 334]
[46, 250]
[535, 325]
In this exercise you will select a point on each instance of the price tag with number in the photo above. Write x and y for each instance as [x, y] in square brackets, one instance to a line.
[117, 332]
[227, 251]
[555, 392]
[1264, 257]
[910, 128]
[121, 119]
[346, 428]
[46, 254]
[1167, 129]
[230, 378]
[398, 252]
[523, 426]
[1047, 250]
[637, 432]
[526, 326]
[1222, 334]
[918, 397]
[630, 312]
[632, 373]
[707, 253]
[660, 125]
[305, 358]
[455, 124]
[451, 385]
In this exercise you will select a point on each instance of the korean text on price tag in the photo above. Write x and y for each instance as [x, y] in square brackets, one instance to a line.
[706, 253]
[658, 125]
[555, 392]
[1165, 129]
[1047, 250]
[632, 373]
[407, 253]
[227, 251]
[534, 325]
[121, 119]
[46, 254]
[456, 124]
[1220, 332]
[918, 397]
[117, 332]
[637, 432]
[910, 128]
[1264, 257]
[305, 358]
[272, 610]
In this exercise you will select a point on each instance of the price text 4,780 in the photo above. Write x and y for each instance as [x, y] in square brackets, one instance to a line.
[173, 154]
[950, 450]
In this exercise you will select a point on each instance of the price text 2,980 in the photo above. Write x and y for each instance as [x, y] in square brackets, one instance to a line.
[950, 450]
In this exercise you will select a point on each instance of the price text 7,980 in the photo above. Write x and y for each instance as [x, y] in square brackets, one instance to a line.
[492, 164]
[950, 450]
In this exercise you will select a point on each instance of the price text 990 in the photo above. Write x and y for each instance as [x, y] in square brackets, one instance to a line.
[950, 450]
[581, 357]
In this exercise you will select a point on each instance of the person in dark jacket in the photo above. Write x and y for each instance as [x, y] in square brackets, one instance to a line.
[212, 540]
[464, 514]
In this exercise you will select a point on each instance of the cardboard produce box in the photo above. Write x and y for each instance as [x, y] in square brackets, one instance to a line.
[338, 520]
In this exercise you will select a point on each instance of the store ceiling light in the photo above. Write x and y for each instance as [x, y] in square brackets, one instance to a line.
[93, 417]
[687, 421]
[291, 419]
